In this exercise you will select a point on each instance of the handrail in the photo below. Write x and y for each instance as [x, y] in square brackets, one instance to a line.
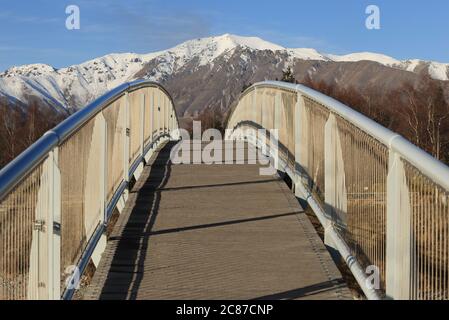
[433, 168]
[23, 164]
[57, 196]
[383, 202]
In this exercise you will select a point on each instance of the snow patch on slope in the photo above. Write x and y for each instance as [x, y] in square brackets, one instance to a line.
[77, 85]
[307, 54]
[210, 48]
[365, 56]
[438, 70]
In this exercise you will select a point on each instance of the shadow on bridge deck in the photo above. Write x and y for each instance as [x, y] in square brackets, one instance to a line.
[196, 231]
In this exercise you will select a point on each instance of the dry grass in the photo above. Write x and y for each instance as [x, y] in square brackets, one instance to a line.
[89, 273]
[85, 281]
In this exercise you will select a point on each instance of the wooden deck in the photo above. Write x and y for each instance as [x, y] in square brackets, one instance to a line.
[201, 231]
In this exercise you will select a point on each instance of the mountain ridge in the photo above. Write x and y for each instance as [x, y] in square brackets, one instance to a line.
[74, 86]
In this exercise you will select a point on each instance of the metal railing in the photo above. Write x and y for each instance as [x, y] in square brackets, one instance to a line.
[57, 196]
[382, 201]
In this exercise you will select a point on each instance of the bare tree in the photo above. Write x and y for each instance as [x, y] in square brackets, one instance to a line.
[19, 128]
[425, 113]
[420, 112]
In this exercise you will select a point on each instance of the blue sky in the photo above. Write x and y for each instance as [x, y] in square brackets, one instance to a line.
[34, 31]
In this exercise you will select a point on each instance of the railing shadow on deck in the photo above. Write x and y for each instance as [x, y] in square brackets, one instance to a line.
[224, 223]
[218, 185]
[134, 239]
[305, 291]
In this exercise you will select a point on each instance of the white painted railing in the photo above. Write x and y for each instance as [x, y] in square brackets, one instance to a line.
[382, 201]
[57, 196]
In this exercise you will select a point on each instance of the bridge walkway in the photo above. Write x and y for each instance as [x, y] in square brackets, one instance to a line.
[196, 231]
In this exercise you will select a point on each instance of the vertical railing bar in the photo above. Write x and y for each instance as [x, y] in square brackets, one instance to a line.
[166, 114]
[19, 291]
[297, 132]
[440, 240]
[366, 243]
[158, 113]
[55, 226]
[375, 209]
[5, 240]
[163, 107]
[362, 232]
[426, 250]
[254, 114]
[445, 256]
[30, 289]
[372, 191]
[151, 115]
[445, 252]
[427, 241]
[8, 245]
[443, 241]
[434, 243]
[414, 240]
[126, 142]
[413, 221]
[436, 224]
[384, 168]
[26, 218]
[419, 239]
[372, 213]
[49, 183]
[437, 244]
[422, 238]
[9, 276]
[446, 242]
[413, 226]
[430, 240]
[367, 213]
[357, 190]
[15, 243]
[277, 125]
[372, 197]
[375, 192]
[26, 235]
[142, 124]
[363, 228]
[378, 207]
[418, 235]
[395, 237]
[104, 172]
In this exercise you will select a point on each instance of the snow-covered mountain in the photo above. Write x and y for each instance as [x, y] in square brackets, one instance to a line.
[77, 85]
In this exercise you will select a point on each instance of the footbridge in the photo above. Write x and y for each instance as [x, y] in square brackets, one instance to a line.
[101, 192]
